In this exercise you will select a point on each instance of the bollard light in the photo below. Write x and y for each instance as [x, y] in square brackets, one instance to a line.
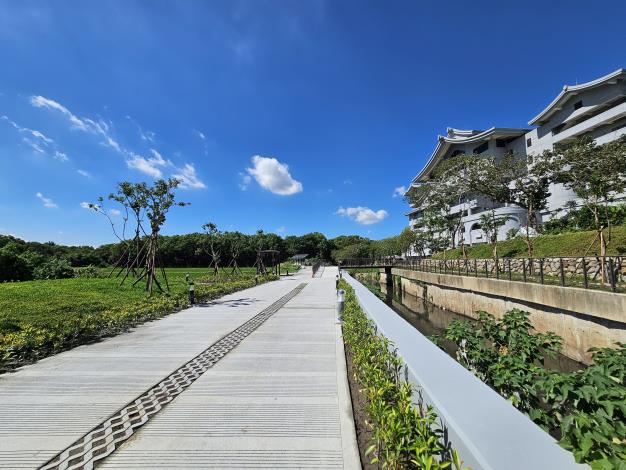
[341, 298]
[192, 293]
[337, 282]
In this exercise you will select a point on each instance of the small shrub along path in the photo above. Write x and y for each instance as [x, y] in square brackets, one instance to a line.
[402, 434]
[40, 318]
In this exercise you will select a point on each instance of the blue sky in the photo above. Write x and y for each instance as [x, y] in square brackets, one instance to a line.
[291, 116]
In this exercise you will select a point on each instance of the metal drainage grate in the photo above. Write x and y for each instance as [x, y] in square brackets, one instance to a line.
[102, 440]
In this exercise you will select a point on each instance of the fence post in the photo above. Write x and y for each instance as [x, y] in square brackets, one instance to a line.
[541, 269]
[510, 275]
[612, 275]
[585, 283]
[524, 268]
[497, 269]
[475, 267]
[486, 270]
[466, 267]
[561, 271]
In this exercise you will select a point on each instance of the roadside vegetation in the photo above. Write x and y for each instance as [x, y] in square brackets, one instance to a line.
[41, 318]
[585, 409]
[574, 243]
[405, 434]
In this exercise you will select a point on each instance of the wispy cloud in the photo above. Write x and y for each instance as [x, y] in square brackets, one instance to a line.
[245, 181]
[36, 140]
[200, 134]
[188, 177]
[347, 181]
[150, 166]
[43, 102]
[47, 202]
[362, 215]
[85, 205]
[399, 191]
[273, 176]
[147, 136]
[84, 173]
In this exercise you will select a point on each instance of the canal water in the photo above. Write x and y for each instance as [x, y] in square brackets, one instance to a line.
[431, 320]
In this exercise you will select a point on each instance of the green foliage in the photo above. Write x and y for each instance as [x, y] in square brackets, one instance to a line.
[587, 407]
[581, 219]
[40, 318]
[565, 244]
[405, 434]
[54, 268]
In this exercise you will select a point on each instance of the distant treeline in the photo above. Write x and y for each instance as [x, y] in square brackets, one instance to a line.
[22, 260]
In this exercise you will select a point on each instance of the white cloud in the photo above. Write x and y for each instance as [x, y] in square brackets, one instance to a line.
[280, 229]
[245, 181]
[62, 156]
[150, 166]
[200, 134]
[189, 179]
[347, 181]
[85, 205]
[145, 135]
[399, 191]
[34, 145]
[47, 202]
[84, 173]
[42, 102]
[362, 215]
[273, 176]
[115, 212]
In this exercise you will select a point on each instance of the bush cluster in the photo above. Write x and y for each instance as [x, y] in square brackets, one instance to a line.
[27, 342]
[586, 408]
[405, 434]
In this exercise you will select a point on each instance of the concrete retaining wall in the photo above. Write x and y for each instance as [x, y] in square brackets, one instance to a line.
[583, 318]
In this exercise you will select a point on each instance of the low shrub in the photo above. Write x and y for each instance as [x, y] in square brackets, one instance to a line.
[89, 272]
[21, 343]
[586, 408]
[405, 433]
[54, 268]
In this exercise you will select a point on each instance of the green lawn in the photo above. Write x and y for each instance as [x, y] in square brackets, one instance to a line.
[565, 244]
[39, 318]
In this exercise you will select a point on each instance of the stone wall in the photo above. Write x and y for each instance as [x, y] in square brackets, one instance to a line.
[583, 318]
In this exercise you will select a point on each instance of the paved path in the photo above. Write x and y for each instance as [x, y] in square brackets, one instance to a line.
[279, 399]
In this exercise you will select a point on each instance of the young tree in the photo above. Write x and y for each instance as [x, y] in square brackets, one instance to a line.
[158, 200]
[235, 242]
[531, 193]
[490, 225]
[596, 174]
[213, 238]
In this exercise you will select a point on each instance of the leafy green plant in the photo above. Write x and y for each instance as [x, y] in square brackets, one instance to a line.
[586, 408]
[405, 434]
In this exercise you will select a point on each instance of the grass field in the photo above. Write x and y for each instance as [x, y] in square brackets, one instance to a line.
[565, 244]
[39, 318]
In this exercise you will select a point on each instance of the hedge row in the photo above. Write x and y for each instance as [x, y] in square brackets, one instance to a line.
[405, 434]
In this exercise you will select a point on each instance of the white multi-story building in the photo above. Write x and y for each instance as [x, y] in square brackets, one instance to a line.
[597, 108]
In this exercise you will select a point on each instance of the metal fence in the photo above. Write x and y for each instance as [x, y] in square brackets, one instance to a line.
[586, 272]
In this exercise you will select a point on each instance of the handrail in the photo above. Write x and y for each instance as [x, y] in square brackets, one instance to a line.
[488, 432]
[588, 272]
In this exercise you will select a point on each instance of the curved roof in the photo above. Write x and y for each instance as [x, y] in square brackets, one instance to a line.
[459, 136]
[572, 90]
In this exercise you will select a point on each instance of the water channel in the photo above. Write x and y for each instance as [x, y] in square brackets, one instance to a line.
[431, 320]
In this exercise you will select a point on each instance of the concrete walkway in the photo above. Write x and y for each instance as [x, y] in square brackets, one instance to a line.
[279, 399]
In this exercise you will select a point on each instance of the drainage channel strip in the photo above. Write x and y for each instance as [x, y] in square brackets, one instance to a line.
[102, 440]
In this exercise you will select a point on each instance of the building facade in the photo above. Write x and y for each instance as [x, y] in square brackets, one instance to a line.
[597, 108]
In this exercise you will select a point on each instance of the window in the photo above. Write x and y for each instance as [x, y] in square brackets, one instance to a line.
[500, 143]
[456, 152]
[578, 104]
[558, 129]
[481, 148]
[529, 142]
